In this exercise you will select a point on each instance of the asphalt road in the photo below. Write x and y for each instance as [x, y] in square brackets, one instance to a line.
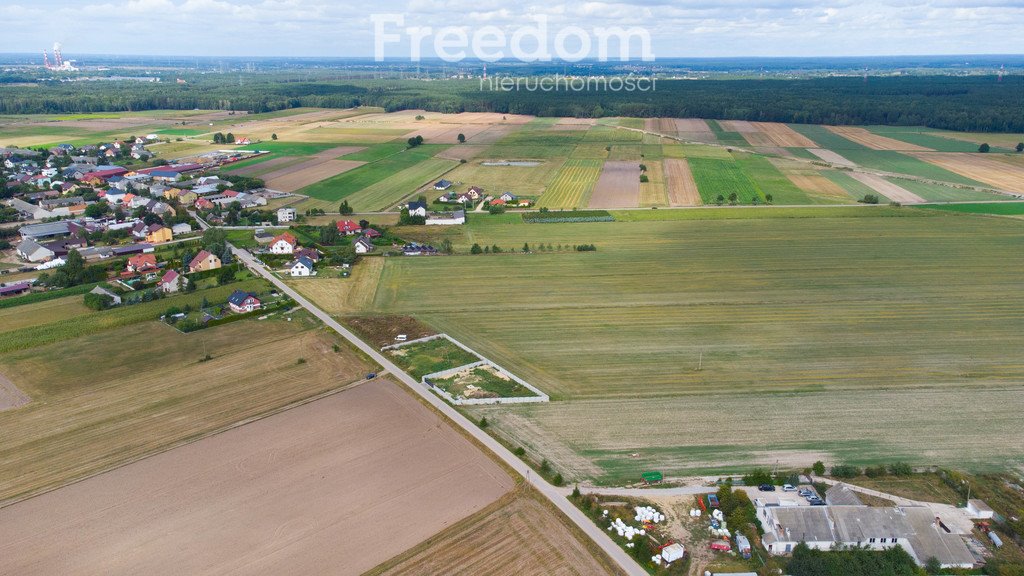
[556, 495]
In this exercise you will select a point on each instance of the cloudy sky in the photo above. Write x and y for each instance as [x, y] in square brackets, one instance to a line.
[687, 28]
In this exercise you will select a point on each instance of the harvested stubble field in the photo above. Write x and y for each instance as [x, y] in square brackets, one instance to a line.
[298, 176]
[518, 535]
[131, 405]
[344, 483]
[818, 187]
[874, 141]
[682, 190]
[654, 192]
[886, 188]
[992, 170]
[521, 180]
[791, 306]
[618, 186]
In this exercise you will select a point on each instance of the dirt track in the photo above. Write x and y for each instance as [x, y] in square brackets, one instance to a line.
[335, 486]
[10, 396]
[618, 186]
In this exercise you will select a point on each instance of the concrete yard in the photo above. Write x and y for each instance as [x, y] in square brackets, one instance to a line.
[335, 486]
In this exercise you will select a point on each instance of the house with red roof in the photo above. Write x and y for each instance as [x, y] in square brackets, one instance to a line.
[284, 243]
[348, 227]
[172, 282]
[141, 263]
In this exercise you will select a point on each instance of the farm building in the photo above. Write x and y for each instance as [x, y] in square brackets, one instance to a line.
[32, 251]
[979, 509]
[822, 527]
[841, 495]
[114, 298]
[15, 289]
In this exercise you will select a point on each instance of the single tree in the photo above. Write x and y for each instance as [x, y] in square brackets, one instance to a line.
[364, 224]
[344, 209]
[1020, 147]
[476, 249]
[273, 136]
[720, 200]
[462, 138]
[644, 178]
[984, 148]
[769, 198]
[526, 247]
[229, 139]
[733, 198]
[818, 468]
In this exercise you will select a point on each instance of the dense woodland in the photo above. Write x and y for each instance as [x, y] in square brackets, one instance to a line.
[974, 103]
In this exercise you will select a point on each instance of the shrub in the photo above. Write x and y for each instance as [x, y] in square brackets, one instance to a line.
[984, 148]
[545, 465]
[483, 422]
[644, 178]
[869, 199]
[300, 361]
[845, 471]
[519, 451]
[558, 480]
[818, 468]
[476, 249]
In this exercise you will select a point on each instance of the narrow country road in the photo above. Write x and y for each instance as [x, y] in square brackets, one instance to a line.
[554, 494]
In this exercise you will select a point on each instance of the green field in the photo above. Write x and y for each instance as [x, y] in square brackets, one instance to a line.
[363, 177]
[770, 181]
[282, 148]
[998, 209]
[889, 324]
[925, 137]
[825, 138]
[898, 162]
[939, 193]
[572, 186]
[722, 177]
[386, 193]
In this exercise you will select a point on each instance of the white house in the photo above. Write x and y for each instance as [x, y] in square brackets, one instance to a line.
[172, 282]
[283, 243]
[418, 209]
[301, 267]
[363, 245]
[286, 214]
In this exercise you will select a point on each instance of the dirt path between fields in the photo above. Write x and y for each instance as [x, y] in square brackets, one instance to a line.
[10, 396]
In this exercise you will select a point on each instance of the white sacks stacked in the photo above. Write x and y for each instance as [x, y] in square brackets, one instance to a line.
[648, 514]
[717, 515]
[625, 530]
[695, 512]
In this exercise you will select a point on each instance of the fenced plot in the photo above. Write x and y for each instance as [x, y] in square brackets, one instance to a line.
[462, 376]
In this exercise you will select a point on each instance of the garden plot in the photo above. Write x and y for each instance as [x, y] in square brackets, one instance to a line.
[460, 375]
[618, 186]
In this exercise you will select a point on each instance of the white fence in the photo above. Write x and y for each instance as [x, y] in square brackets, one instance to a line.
[540, 396]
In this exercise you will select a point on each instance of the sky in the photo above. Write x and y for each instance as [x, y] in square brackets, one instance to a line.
[680, 28]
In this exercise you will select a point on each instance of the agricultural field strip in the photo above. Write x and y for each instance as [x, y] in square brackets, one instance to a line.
[887, 189]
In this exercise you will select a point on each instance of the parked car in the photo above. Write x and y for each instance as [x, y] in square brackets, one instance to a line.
[788, 488]
[806, 493]
[816, 502]
[766, 488]
[371, 375]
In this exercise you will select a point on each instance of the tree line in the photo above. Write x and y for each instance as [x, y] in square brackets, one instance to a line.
[970, 103]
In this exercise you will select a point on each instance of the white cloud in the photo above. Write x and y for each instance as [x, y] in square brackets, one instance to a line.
[678, 28]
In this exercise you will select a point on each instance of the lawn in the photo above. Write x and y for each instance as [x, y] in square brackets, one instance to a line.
[397, 187]
[809, 319]
[148, 389]
[424, 358]
[721, 178]
[572, 186]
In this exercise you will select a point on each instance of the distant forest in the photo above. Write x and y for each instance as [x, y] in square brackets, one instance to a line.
[971, 103]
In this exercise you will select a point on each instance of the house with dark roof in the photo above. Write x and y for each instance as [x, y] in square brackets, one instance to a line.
[242, 302]
[302, 266]
[417, 209]
[442, 185]
[363, 245]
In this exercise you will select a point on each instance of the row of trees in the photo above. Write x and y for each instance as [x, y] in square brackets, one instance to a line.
[972, 103]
